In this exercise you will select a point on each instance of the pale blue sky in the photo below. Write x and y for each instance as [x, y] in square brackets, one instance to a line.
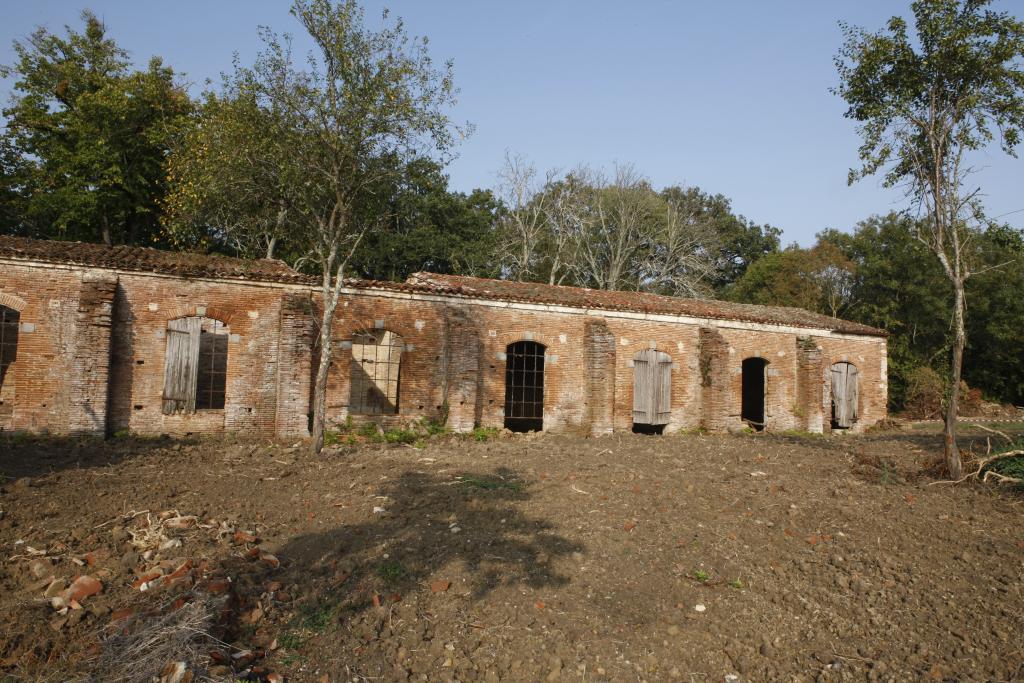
[731, 96]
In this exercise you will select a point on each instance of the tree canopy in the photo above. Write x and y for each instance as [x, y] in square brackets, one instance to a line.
[82, 156]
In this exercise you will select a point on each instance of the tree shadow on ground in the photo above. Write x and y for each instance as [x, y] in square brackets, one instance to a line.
[469, 526]
[29, 455]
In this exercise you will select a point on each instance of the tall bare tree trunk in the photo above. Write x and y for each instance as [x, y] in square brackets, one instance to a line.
[320, 386]
[952, 452]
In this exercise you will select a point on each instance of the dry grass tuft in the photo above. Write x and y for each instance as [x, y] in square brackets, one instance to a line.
[142, 649]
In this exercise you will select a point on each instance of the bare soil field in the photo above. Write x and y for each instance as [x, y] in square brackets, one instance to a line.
[624, 558]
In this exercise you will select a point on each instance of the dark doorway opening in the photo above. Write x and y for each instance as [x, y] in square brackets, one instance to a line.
[524, 386]
[641, 428]
[752, 402]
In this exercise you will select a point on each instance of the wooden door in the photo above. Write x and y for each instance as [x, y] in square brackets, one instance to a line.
[845, 394]
[652, 387]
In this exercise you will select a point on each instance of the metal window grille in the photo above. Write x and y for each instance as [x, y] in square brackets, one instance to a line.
[211, 380]
[524, 386]
[9, 319]
[376, 372]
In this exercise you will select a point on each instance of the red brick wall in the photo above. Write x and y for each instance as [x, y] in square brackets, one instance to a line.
[439, 349]
[252, 313]
[91, 358]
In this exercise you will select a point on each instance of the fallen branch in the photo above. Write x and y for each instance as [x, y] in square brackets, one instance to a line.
[982, 464]
[994, 431]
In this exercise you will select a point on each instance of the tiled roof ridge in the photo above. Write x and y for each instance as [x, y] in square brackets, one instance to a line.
[192, 264]
[148, 259]
[642, 302]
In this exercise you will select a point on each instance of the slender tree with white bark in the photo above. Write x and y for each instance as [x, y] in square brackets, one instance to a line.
[362, 101]
[924, 104]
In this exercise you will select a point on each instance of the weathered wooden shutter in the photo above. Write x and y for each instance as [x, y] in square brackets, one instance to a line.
[643, 385]
[663, 408]
[652, 387]
[845, 393]
[852, 392]
[181, 366]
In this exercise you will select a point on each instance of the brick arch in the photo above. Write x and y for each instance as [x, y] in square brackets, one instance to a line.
[226, 316]
[402, 330]
[626, 354]
[11, 301]
[504, 339]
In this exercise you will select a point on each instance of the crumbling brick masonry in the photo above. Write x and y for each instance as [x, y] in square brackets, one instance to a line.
[98, 340]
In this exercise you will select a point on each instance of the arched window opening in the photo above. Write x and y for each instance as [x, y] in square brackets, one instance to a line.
[652, 391]
[524, 386]
[196, 365]
[376, 372]
[752, 402]
[845, 394]
[9, 321]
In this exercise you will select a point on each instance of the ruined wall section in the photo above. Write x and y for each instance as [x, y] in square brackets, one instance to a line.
[808, 407]
[88, 376]
[59, 380]
[296, 340]
[713, 365]
[680, 342]
[143, 306]
[869, 355]
[454, 359]
[599, 355]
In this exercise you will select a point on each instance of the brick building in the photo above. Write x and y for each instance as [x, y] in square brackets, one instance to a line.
[96, 340]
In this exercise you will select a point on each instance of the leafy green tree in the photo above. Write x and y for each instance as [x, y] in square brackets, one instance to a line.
[995, 351]
[819, 279]
[923, 105]
[86, 138]
[430, 228]
[229, 190]
[345, 123]
[898, 286]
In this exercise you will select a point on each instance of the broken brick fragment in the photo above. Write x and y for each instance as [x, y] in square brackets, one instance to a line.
[81, 588]
[245, 537]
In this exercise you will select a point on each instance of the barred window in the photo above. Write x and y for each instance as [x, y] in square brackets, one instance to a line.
[9, 320]
[376, 371]
[195, 374]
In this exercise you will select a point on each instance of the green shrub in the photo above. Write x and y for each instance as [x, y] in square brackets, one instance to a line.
[483, 433]
[400, 436]
[434, 427]
[392, 571]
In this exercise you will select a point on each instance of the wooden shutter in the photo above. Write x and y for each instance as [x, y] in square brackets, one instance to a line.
[663, 392]
[643, 388]
[181, 367]
[852, 392]
[845, 393]
[652, 387]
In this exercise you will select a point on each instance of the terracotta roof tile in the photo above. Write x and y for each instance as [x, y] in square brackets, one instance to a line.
[143, 259]
[641, 302]
[186, 264]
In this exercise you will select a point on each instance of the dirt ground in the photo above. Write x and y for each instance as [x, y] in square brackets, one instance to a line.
[623, 558]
